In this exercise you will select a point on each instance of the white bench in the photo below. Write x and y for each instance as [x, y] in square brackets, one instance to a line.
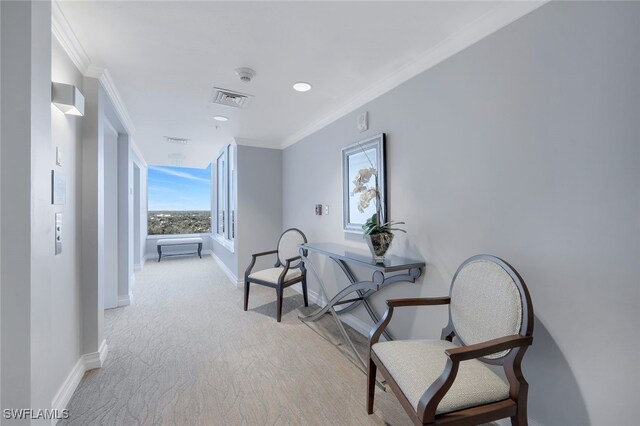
[179, 242]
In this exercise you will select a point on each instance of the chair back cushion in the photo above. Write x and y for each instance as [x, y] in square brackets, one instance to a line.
[288, 245]
[486, 301]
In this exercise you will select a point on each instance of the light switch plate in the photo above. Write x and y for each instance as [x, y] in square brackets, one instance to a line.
[326, 209]
[58, 156]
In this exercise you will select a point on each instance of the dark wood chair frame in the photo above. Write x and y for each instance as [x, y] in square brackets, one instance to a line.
[281, 284]
[514, 407]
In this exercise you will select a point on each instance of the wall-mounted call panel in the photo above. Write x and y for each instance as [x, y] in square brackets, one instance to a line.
[58, 233]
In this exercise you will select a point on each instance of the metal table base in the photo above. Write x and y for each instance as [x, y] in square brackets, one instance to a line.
[407, 271]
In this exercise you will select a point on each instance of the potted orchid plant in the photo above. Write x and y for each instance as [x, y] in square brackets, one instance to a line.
[377, 234]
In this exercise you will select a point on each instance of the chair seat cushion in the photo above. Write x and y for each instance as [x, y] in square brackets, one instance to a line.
[178, 241]
[416, 364]
[271, 275]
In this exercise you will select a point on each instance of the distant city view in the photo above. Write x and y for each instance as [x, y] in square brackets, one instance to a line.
[179, 200]
[174, 222]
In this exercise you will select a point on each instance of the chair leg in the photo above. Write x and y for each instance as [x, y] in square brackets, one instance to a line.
[304, 291]
[246, 295]
[520, 419]
[279, 294]
[371, 385]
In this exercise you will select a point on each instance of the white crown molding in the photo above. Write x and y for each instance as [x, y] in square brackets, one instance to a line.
[94, 71]
[66, 37]
[492, 21]
[138, 154]
[112, 92]
[63, 32]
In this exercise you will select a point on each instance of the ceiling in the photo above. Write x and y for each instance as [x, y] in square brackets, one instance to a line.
[165, 58]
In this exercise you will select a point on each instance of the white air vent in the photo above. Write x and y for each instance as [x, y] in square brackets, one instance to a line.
[179, 141]
[230, 98]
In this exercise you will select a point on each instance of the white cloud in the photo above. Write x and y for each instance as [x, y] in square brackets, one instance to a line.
[177, 173]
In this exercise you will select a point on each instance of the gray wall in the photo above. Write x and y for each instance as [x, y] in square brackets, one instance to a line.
[259, 208]
[66, 284]
[27, 214]
[259, 217]
[140, 217]
[524, 145]
[228, 257]
[110, 217]
[93, 257]
[125, 219]
[137, 213]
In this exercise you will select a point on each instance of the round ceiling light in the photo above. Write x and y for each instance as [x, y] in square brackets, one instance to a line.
[221, 118]
[301, 86]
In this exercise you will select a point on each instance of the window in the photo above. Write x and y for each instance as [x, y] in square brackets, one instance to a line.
[225, 196]
[221, 185]
[179, 200]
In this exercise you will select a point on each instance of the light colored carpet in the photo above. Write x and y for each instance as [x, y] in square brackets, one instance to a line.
[185, 353]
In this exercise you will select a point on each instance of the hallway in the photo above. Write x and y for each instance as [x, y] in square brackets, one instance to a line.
[185, 353]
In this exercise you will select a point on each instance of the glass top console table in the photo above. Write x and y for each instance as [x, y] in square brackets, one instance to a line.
[394, 269]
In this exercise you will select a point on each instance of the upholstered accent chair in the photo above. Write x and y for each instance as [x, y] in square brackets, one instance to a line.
[447, 382]
[287, 271]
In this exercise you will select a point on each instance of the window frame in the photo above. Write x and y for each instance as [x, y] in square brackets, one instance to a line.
[225, 238]
[160, 236]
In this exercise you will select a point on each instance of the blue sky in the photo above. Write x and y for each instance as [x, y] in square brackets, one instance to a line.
[179, 188]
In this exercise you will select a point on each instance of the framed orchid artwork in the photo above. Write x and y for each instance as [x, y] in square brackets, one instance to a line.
[363, 183]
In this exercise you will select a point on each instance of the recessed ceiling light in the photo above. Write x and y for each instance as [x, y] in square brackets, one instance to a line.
[301, 86]
[220, 118]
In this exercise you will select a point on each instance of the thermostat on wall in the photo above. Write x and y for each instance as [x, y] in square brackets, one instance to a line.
[363, 121]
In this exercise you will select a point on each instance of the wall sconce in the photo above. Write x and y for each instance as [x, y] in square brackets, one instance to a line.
[67, 98]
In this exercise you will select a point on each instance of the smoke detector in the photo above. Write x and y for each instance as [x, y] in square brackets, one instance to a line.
[245, 74]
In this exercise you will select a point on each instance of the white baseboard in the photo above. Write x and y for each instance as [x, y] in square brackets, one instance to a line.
[95, 359]
[64, 394]
[140, 266]
[228, 272]
[351, 320]
[85, 363]
[124, 300]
